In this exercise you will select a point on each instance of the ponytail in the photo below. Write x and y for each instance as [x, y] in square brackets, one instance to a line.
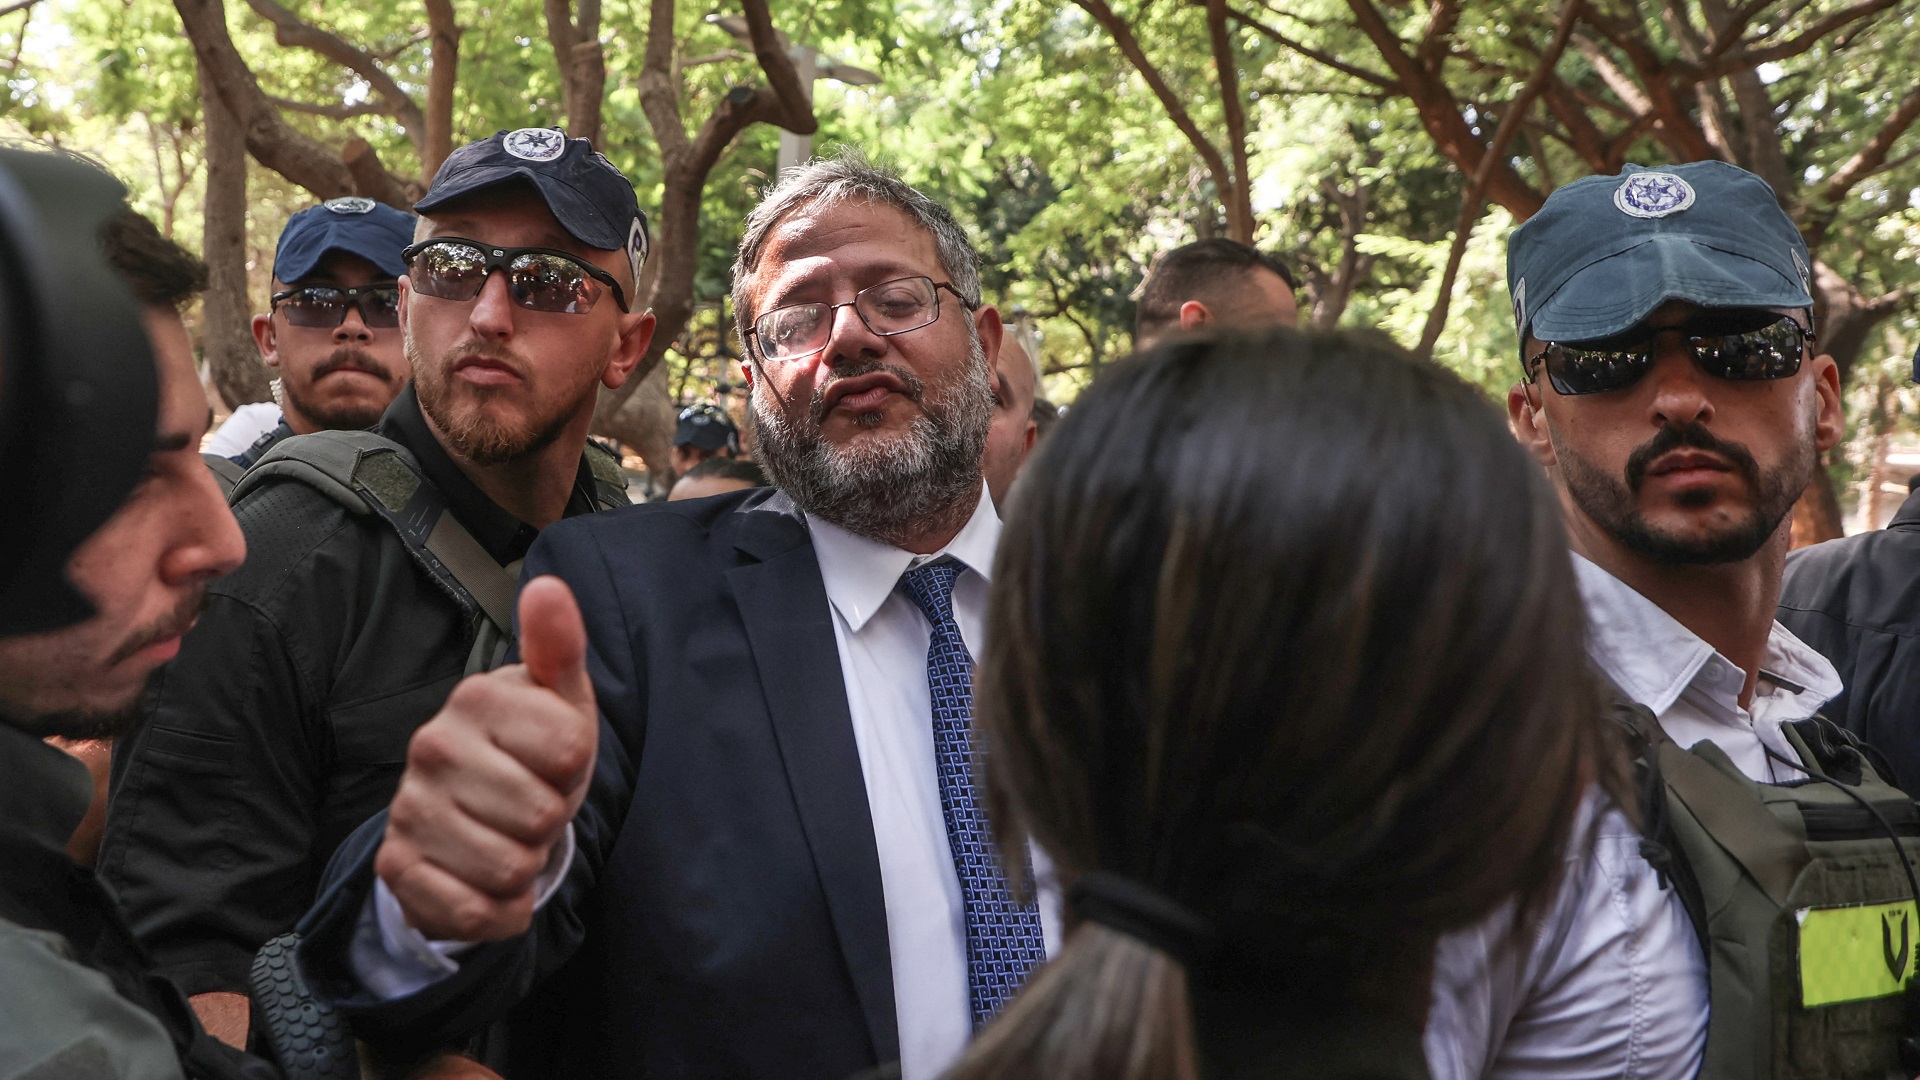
[1107, 1007]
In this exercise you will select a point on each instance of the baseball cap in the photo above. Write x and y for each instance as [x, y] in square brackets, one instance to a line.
[590, 198]
[706, 427]
[356, 225]
[1605, 251]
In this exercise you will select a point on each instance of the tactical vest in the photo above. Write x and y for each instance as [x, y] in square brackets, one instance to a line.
[371, 475]
[1802, 898]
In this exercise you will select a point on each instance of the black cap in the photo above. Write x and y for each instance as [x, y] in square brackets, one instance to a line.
[707, 427]
[358, 226]
[590, 198]
[79, 395]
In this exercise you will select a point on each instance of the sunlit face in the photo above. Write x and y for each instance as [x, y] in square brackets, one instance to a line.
[870, 431]
[340, 377]
[1010, 439]
[146, 571]
[1682, 466]
[496, 380]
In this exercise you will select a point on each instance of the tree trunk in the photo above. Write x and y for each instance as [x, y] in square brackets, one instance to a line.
[232, 359]
[1816, 517]
[644, 421]
[444, 48]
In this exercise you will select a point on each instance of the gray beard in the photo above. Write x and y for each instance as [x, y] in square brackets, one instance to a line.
[927, 477]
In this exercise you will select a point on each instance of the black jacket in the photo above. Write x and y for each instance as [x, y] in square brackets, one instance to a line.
[284, 722]
[1857, 602]
[77, 995]
[726, 885]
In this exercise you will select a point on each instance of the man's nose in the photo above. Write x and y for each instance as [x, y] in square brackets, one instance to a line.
[849, 337]
[209, 543]
[1682, 393]
[352, 328]
[492, 313]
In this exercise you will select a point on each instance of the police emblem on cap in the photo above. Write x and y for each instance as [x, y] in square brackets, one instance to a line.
[1653, 195]
[637, 248]
[1806, 275]
[1520, 304]
[535, 144]
[349, 204]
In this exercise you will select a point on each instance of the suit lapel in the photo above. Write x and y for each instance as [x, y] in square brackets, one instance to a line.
[783, 605]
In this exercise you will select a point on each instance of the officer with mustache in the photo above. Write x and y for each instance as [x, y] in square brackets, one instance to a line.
[331, 333]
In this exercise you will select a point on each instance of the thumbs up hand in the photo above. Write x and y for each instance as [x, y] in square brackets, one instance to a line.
[492, 781]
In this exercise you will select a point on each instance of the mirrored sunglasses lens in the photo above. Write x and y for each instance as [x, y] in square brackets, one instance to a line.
[315, 308]
[1771, 352]
[380, 309]
[1593, 371]
[551, 283]
[894, 307]
[792, 331]
[449, 271]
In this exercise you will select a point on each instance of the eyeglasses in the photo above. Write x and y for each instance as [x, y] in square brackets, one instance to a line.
[538, 279]
[323, 307]
[1724, 346]
[889, 308]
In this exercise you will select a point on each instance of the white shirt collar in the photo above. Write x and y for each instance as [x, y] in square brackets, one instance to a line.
[860, 573]
[1651, 656]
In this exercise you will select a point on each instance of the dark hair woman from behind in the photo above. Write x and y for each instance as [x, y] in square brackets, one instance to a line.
[1285, 673]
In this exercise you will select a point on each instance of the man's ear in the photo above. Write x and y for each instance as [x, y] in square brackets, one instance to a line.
[986, 320]
[636, 333]
[1194, 316]
[1528, 422]
[1828, 425]
[264, 340]
[746, 373]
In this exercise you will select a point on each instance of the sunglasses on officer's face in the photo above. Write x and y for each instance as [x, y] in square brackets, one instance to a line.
[323, 307]
[1738, 346]
[538, 279]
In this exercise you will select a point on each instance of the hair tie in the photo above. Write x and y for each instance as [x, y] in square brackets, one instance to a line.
[1140, 912]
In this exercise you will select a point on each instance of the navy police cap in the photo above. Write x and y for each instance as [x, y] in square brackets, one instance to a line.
[356, 225]
[590, 198]
[1605, 251]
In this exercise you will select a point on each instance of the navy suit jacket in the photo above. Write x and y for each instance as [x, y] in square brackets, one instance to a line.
[723, 915]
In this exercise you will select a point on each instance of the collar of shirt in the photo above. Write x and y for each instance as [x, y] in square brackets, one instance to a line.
[860, 573]
[1692, 689]
[505, 537]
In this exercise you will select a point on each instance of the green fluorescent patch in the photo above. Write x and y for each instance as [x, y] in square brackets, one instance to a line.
[1856, 952]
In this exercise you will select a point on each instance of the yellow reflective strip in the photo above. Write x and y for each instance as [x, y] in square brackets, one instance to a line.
[1856, 952]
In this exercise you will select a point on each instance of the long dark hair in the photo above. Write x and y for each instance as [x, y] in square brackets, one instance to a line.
[1283, 628]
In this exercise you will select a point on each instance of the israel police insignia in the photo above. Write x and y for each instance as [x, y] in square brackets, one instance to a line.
[535, 144]
[1652, 195]
[350, 204]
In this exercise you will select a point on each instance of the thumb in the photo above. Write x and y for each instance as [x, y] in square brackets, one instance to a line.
[553, 640]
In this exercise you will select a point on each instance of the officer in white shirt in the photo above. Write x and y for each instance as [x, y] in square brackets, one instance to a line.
[1675, 396]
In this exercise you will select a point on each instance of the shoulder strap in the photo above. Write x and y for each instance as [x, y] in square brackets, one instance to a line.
[226, 472]
[371, 474]
[609, 478]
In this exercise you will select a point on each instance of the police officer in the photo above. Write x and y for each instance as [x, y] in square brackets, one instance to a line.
[702, 431]
[115, 529]
[1674, 392]
[379, 568]
[332, 330]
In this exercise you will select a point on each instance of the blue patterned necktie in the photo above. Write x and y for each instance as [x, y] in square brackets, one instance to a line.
[1004, 940]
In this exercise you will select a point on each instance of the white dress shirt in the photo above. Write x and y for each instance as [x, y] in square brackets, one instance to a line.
[1612, 982]
[882, 639]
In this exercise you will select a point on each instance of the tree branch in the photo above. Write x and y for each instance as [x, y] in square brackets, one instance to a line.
[291, 32]
[22, 5]
[1311, 53]
[1176, 110]
[370, 107]
[1239, 198]
[1747, 59]
[1473, 201]
[443, 50]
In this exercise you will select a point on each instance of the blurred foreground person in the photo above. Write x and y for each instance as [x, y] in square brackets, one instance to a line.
[1763, 926]
[116, 528]
[1284, 703]
[1213, 285]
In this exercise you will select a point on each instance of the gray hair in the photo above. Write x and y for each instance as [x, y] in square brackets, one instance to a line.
[846, 175]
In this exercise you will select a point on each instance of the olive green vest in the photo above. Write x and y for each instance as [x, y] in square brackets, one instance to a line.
[1803, 903]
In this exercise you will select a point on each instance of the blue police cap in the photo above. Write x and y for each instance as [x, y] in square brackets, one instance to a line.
[358, 226]
[1605, 251]
[590, 198]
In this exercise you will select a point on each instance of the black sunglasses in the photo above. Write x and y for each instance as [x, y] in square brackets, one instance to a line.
[538, 279]
[1725, 346]
[323, 307]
